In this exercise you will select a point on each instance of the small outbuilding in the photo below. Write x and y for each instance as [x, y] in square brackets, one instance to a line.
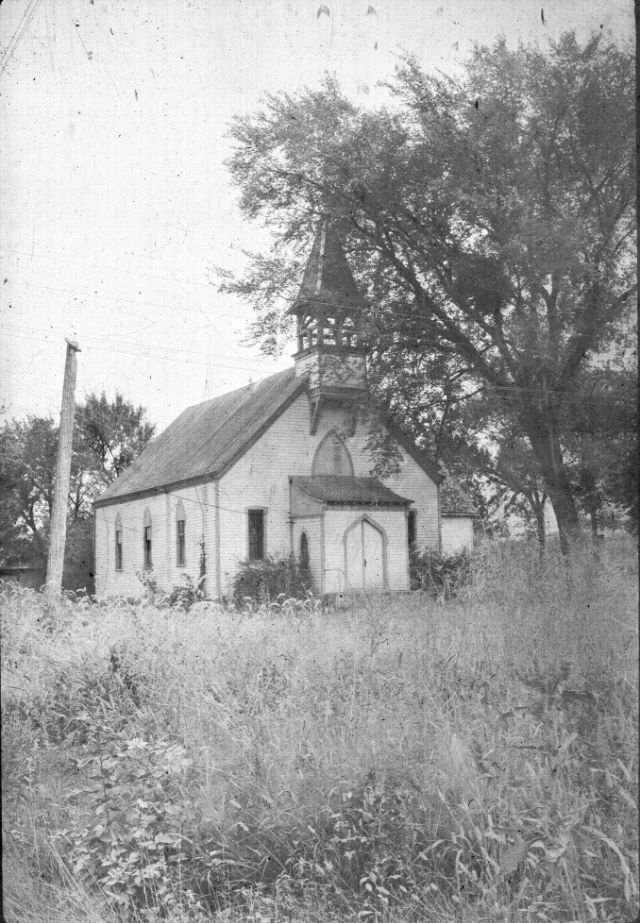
[457, 515]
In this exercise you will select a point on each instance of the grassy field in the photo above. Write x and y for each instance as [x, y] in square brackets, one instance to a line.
[400, 760]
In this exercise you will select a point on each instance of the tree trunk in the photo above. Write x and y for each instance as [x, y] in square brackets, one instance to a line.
[537, 506]
[546, 446]
[540, 527]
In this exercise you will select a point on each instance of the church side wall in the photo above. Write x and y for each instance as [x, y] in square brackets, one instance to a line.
[260, 480]
[414, 484]
[198, 504]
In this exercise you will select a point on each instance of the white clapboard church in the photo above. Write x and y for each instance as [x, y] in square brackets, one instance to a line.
[277, 467]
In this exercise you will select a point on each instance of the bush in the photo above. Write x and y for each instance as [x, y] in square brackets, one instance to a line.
[440, 575]
[265, 580]
[185, 595]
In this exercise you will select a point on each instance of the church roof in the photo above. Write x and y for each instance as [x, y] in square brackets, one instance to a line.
[332, 489]
[206, 439]
[454, 501]
[327, 281]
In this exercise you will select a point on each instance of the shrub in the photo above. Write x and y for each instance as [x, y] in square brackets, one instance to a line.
[186, 594]
[265, 580]
[152, 592]
[440, 575]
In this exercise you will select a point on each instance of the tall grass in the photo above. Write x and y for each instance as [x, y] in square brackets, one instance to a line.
[401, 759]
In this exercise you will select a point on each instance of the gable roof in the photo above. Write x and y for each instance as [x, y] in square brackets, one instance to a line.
[206, 439]
[335, 490]
[327, 282]
[454, 501]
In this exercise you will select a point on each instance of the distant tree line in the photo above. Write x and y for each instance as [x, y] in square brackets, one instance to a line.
[108, 435]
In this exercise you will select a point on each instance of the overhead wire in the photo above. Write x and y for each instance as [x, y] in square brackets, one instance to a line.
[200, 311]
[171, 354]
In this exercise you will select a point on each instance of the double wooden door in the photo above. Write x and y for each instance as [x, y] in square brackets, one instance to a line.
[364, 555]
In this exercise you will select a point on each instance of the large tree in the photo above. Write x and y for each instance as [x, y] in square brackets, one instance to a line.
[489, 218]
[107, 437]
[27, 470]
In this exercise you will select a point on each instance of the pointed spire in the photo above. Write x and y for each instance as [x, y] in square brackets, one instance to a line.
[327, 285]
[329, 314]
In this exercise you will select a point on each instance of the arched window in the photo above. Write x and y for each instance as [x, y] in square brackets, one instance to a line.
[118, 542]
[181, 547]
[304, 552]
[332, 457]
[147, 541]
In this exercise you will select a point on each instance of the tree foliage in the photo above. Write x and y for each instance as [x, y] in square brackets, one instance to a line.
[489, 219]
[27, 471]
[601, 445]
[107, 437]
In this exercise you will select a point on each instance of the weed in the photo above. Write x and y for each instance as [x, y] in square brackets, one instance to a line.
[407, 760]
[441, 576]
[270, 579]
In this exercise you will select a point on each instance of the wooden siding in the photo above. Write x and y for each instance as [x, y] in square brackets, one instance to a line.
[260, 479]
[327, 370]
[199, 520]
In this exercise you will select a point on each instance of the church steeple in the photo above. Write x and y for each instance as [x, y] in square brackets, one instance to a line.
[329, 312]
[329, 307]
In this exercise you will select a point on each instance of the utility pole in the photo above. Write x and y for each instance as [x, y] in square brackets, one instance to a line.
[58, 531]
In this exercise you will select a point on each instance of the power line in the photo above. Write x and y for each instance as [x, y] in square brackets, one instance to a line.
[214, 360]
[158, 491]
[166, 353]
[151, 304]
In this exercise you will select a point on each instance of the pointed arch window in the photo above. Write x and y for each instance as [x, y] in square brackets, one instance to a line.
[332, 457]
[181, 535]
[147, 540]
[304, 553]
[118, 542]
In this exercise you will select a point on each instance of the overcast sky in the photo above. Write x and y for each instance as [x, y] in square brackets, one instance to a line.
[115, 201]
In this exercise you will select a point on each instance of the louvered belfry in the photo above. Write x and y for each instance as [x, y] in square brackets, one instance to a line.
[330, 311]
